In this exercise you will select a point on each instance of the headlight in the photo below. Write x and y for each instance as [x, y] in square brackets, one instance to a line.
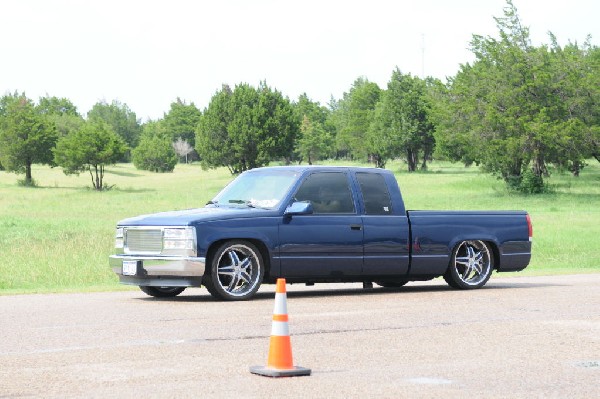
[178, 233]
[119, 238]
[179, 239]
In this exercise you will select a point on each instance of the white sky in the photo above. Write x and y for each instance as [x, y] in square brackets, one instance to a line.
[148, 53]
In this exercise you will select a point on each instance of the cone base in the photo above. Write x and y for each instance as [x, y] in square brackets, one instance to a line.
[269, 372]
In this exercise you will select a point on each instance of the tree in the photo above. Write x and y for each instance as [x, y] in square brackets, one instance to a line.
[593, 60]
[401, 123]
[314, 111]
[122, 120]
[56, 106]
[90, 148]
[317, 133]
[353, 116]
[213, 143]
[155, 151]
[382, 142]
[182, 148]
[26, 137]
[278, 126]
[314, 142]
[246, 128]
[181, 121]
[575, 83]
[61, 112]
[519, 107]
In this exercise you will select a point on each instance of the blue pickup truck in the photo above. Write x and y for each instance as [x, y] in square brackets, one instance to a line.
[314, 224]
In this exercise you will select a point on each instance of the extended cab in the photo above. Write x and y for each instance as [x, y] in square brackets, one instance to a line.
[315, 224]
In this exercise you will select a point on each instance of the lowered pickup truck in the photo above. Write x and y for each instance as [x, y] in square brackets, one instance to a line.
[315, 224]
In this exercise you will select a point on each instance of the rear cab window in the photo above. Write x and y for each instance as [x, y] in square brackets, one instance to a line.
[375, 194]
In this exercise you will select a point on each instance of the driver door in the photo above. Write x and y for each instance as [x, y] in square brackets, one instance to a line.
[328, 242]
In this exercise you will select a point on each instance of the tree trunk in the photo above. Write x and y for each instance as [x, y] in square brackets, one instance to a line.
[412, 160]
[576, 168]
[92, 177]
[539, 167]
[426, 157]
[28, 177]
[378, 160]
[102, 177]
[98, 182]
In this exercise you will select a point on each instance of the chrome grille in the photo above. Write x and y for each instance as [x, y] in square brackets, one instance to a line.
[143, 240]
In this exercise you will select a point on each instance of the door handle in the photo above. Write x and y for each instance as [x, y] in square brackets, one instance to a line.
[355, 227]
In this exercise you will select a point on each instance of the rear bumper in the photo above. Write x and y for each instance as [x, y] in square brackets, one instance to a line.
[172, 271]
[514, 256]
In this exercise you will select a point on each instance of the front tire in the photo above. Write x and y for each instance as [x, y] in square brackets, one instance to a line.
[471, 265]
[392, 284]
[162, 292]
[236, 271]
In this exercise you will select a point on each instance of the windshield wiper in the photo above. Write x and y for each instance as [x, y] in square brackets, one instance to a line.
[245, 202]
[211, 202]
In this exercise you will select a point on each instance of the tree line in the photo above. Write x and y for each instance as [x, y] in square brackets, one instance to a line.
[515, 111]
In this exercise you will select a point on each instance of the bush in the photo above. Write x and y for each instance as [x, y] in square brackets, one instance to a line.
[27, 183]
[156, 154]
[527, 183]
[532, 183]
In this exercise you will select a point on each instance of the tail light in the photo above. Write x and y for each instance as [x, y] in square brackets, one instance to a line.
[530, 227]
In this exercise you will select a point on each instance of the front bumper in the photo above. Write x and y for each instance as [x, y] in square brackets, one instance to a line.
[162, 271]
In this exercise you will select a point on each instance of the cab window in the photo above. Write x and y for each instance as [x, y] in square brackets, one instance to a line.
[328, 192]
[374, 193]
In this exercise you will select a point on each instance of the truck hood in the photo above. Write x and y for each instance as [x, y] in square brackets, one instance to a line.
[192, 216]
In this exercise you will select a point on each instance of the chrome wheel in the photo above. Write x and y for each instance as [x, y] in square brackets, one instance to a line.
[471, 265]
[236, 271]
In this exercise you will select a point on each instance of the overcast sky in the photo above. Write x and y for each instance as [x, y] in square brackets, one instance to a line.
[148, 53]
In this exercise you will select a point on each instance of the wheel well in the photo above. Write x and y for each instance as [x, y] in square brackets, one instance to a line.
[492, 245]
[264, 252]
[495, 252]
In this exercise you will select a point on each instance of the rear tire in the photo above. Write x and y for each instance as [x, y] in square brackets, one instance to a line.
[471, 265]
[162, 292]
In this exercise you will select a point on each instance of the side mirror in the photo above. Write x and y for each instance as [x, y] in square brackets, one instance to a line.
[299, 208]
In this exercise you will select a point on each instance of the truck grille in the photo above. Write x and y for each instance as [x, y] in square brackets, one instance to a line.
[143, 240]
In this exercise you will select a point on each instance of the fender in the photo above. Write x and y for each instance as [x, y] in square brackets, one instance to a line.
[266, 234]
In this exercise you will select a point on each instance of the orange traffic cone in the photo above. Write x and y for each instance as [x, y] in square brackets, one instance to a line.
[280, 363]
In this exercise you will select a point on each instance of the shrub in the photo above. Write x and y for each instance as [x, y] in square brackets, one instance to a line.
[527, 183]
[26, 183]
[155, 153]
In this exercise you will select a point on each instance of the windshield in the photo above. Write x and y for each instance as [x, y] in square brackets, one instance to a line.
[262, 189]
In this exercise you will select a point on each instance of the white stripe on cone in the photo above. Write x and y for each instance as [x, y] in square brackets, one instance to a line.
[280, 328]
[280, 304]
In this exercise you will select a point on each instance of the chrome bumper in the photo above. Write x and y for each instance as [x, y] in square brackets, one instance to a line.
[161, 270]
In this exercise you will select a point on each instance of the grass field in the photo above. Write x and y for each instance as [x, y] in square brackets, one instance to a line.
[57, 237]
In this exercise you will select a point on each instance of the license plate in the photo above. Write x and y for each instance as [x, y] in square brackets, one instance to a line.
[129, 267]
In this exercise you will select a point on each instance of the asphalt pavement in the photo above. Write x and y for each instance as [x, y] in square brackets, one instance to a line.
[519, 337]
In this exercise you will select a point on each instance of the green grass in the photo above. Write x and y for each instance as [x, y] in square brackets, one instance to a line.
[57, 237]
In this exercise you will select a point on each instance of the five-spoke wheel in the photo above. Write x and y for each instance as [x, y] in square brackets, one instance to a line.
[236, 271]
[471, 265]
